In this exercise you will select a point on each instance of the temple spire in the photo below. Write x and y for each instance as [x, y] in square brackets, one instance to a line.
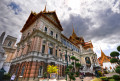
[2, 37]
[73, 33]
[73, 28]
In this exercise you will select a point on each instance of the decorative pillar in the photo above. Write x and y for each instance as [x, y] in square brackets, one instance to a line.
[58, 52]
[28, 47]
[54, 50]
[32, 45]
[18, 49]
[35, 44]
[22, 50]
[46, 48]
[40, 45]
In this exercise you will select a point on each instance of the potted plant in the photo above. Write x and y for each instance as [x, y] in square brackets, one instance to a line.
[45, 75]
[6, 77]
[52, 70]
[116, 77]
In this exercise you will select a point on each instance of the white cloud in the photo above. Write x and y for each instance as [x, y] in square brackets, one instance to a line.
[12, 23]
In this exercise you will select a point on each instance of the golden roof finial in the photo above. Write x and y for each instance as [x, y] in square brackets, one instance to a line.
[73, 33]
[73, 27]
[45, 8]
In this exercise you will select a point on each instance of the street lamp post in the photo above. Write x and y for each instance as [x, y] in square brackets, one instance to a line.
[66, 60]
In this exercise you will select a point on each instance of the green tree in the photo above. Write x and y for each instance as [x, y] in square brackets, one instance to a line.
[115, 59]
[73, 70]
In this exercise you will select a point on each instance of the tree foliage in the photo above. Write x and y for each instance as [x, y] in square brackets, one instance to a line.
[70, 66]
[113, 60]
[73, 68]
[114, 54]
[76, 59]
[118, 67]
[52, 69]
[116, 77]
[73, 57]
[118, 48]
[117, 70]
[78, 64]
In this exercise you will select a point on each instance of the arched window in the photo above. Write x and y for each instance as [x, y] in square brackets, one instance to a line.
[40, 72]
[16, 71]
[33, 29]
[56, 53]
[50, 51]
[28, 34]
[22, 70]
[45, 29]
[88, 62]
[10, 43]
[56, 36]
[51, 33]
[43, 48]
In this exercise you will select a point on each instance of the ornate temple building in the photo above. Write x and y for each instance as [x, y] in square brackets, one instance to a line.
[43, 44]
[103, 58]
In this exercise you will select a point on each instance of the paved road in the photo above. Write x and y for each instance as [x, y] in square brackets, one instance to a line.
[86, 78]
[111, 74]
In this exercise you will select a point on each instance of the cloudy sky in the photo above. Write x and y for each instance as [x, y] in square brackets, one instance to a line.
[95, 20]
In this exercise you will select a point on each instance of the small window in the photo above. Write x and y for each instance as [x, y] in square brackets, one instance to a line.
[56, 36]
[44, 41]
[51, 33]
[61, 55]
[33, 29]
[16, 71]
[56, 53]
[50, 51]
[28, 34]
[45, 29]
[10, 43]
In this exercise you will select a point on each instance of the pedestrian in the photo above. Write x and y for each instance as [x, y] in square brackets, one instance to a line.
[84, 74]
[12, 77]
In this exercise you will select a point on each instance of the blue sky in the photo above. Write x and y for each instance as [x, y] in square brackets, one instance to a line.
[95, 20]
[15, 7]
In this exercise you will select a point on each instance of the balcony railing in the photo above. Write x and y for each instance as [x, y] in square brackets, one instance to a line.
[39, 55]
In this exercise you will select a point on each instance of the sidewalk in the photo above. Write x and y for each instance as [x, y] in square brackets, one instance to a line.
[85, 79]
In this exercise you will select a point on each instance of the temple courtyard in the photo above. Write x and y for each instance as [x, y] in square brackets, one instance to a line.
[85, 79]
